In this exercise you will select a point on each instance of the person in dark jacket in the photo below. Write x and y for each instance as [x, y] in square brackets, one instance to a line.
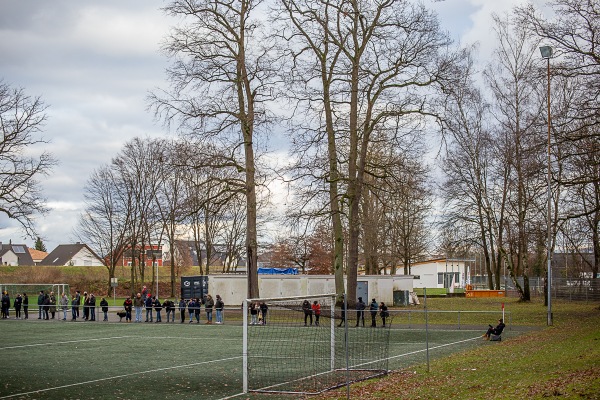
[208, 307]
[46, 306]
[307, 312]
[383, 312]
[77, 302]
[373, 307]
[5, 304]
[149, 304]
[157, 308]
[92, 306]
[128, 305]
[360, 312]
[197, 307]
[104, 305]
[167, 306]
[86, 306]
[26, 305]
[495, 331]
[52, 308]
[182, 309]
[40, 303]
[191, 307]
[74, 307]
[264, 310]
[17, 305]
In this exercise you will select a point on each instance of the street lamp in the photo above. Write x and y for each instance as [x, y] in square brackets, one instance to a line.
[547, 53]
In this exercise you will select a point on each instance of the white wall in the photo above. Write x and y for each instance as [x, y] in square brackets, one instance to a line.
[85, 258]
[428, 273]
[10, 258]
[233, 288]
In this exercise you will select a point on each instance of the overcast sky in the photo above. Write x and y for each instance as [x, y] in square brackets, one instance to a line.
[94, 62]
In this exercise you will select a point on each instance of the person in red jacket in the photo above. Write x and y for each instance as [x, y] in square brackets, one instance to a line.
[316, 308]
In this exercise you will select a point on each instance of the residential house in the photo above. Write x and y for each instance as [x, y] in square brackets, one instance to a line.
[37, 256]
[152, 255]
[15, 255]
[77, 254]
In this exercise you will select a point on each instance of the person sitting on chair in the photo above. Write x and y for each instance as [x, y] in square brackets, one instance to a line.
[495, 331]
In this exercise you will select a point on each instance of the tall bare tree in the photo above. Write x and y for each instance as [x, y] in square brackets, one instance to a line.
[373, 64]
[219, 80]
[104, 223]
[22, 119]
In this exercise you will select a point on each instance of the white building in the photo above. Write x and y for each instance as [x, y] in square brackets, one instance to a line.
[440, 273]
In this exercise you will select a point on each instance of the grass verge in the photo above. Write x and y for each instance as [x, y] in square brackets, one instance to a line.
[562, 360]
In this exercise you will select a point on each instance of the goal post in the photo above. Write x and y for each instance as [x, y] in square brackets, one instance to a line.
[287, 348]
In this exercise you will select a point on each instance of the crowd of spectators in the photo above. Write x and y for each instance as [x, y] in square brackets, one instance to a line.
[48, 306]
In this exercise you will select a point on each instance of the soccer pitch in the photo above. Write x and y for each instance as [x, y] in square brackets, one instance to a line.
[98, 360]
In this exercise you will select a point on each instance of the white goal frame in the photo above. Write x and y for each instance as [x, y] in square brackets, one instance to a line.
[245, 315]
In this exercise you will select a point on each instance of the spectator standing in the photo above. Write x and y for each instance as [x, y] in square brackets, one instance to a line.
[17, 305]
[128, 305]
[264, 309]
[253, 313]
[86, 306]
[316, 308]
[191, 306]
[167, 308]
[219, 305]
[171, 307]
[208, 307]
[197, 308]
[373, 307]
[92, 306]
[46, 306]
[64, 304]
[5, 304]
[157, 308]
[77, 302]
[343, 315]
[40, 303]
[144, 292]
[26, 305]
[306, 307]
[149, 304]
[182, 309]
[74, 308]
[138, 304]
[360, 312]
[383, 312]
[104, 306]
[52, 308]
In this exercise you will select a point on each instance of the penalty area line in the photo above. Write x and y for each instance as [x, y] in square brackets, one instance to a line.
[116, 377]
[65, 342]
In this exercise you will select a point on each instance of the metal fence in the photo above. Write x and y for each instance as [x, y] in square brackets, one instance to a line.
[575, 289]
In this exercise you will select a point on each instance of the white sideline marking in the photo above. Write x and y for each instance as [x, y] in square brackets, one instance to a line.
[117, 377]
[68, 341]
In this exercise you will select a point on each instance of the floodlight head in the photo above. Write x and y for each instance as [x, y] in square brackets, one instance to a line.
[546, 51]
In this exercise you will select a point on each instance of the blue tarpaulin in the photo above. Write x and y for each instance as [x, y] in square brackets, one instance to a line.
[278, 271]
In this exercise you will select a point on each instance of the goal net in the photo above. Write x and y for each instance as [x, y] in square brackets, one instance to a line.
[289, 349]
[34, 289]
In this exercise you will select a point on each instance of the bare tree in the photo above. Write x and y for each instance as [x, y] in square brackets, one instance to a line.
[21, 120]
[104, 223]
[574, 32]
[373, 63]
[219, 81]
[521, 147]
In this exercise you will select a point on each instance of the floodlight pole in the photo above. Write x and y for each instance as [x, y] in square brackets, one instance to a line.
[547, 53]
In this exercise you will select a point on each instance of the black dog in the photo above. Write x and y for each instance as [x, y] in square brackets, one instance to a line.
[121, 315]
